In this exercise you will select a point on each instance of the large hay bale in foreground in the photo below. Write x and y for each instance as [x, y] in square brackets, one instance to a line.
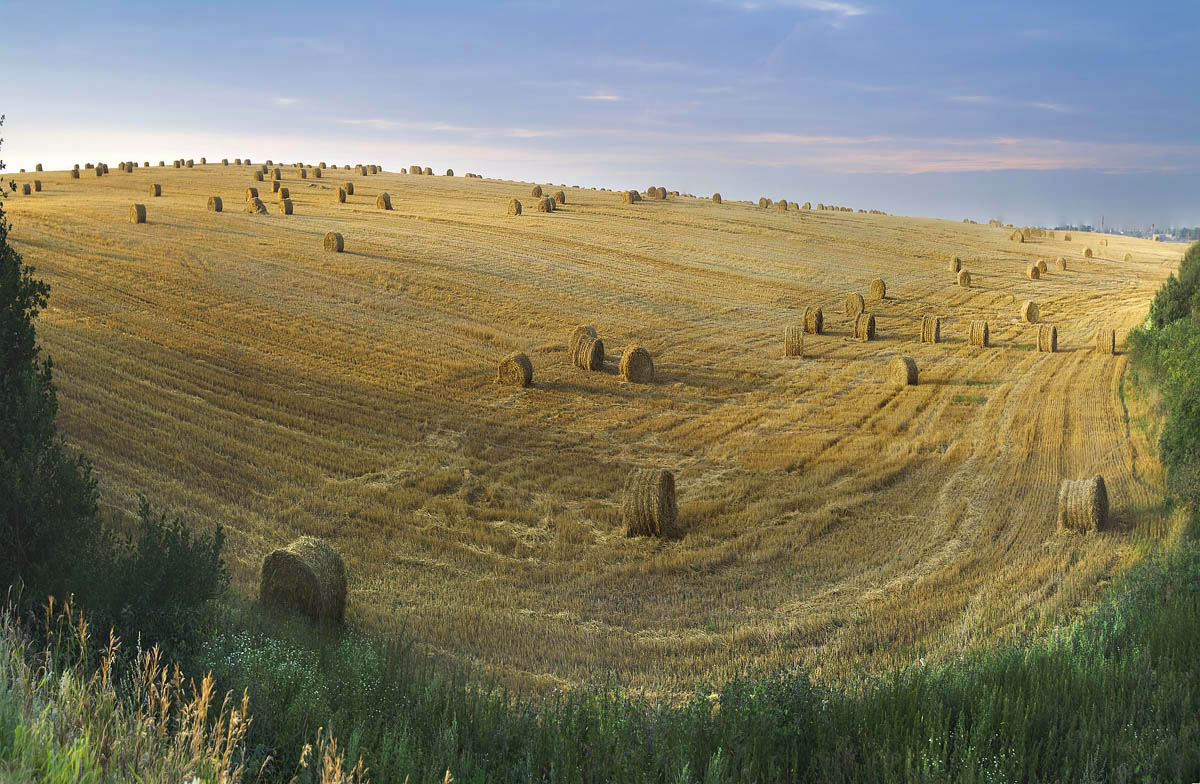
[156, 189]
[793, 341]
[285, 206]
[902, 371]
[1061, 263]
[648, 508]
[1087, 253]
[1083, 504]
[637, 366]
[878, 289]
[383, 201]
[536, 192]
[251, 193]
[931, 329]
[1106, 341]
[214, 204]
[255, 207]
[1032, 272]
[964, 279]
[334, 243]
[854, 305]
[1030, 312]
[814, 320]
[1047, 339]
[978, 335]
[955, 263]
[716, 197]
[864, 326]
[137, 213]
[514, 207]
[308, 577]
[560, 197]
[515, 370]
[1017, 236]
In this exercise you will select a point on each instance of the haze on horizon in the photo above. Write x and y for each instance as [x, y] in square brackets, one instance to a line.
[1036, 113]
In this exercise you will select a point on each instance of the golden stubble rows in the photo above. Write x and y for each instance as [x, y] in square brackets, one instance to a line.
[233, 371]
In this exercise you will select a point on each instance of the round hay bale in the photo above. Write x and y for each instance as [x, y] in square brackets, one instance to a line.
[224, 161]
[276, 174]
[806, 205]
[964, 279]
[661, 193]
[716, 197]
[190, 163]
[308, 577]
[931, 329]
[285, 206]
[1017, 236]
[793, 341]
[255, 207]
[26, 189]
[275, 186]
[37, 186]
[1128, 257]
[560, 197]
[515, 370]
[1087, 253]
[1083, 504]
[1103, 242]
[955, 263]
[628, 197]
[349, 188]
[578, 334]
[304, 174]
[902, 371]
[781, 205]
[74, 174]
[258, 176]
[1106, 341]
[156, 189]
[316, 173]
[649, 508]
[1032, 272]
[340, 196]
[284, 193]
[449, 172]
[864, 326]
[536, 192]
[428, 171]
[587, 351]
[38, 167]
[383, 201]
[178, 164]
[99, 171]
[204, 161]
[334, 242]
[1067, 237]
[137, 213]
[237, 162]
[1047, 339]
[978, 335]
[637, 366]
[854, 305]
[1042, 266]
[214, 204]
[545, 204]
[814, 320]
[251, 193]
[878, 289]
[514, 207]
[1061, 263]
[1030, 312]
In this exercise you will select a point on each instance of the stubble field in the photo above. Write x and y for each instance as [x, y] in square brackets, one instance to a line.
[232, 371]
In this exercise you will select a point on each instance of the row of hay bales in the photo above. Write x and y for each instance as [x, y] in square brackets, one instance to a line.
[585, 350]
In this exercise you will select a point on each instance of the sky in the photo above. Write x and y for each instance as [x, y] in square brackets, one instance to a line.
[1040, 113]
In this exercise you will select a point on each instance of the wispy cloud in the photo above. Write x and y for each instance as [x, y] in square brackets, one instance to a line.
[600, 97]
[980, 99]
[837, 12]
[282, 101]
[1052, 107]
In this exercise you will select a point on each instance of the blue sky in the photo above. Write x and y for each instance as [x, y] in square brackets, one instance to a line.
[1032, 112]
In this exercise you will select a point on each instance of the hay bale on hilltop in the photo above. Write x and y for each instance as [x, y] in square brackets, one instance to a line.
[560, 197]
[255, 207]
[428, 171]
[1061, 263]
[449, 172]
[864, 326]
[1083, 504]
[955, 263]
[224, 161]
[1042, 266]
[716, 197]
[74, 174]
[782, 204]
[237, 162]
[902, 371]
[251, 193]
[137, 213]
[99, 171]
[931, 329]
[637, 366]
[1030, 312]
[1106, 341]
[1032, 272]
[978, 335]
[814, 320]
[793, 341]
[156, 189]
[514, 207]
[660, 193]
[178, 164]
[515, 370]
[649, 508]
[764, 202]
[214, 204]
[536, 192]
[38, 167]
[383, 201]
[1017, 236]
[878, 289]
[1047, 339]
[285, 206]
[806, 205]
[964, 279]
[1087, 253]
[309, 577]
[190, 163]
[334, 243]
[854, 305]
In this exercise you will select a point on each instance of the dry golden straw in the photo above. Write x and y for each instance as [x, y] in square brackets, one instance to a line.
[514, 207]
[349, 188]
[955, 263]
[964, 279]
[637, 366]
[308, 577]
[864, 326]
[1042, 265]
[26, 189]
[575, 346]
[931, 329]
[560, 197]
[648, 508]
[251, 193]
[256, 207]
[285, 206]
[814, 320]
[1128, 257]
[902, 371]
[1087, 253]
[334, 242]
[137, 213]
[716, 197]
[515, 370]
[1083, 504]
[258, 176]
[878, 289]
[978, 335]
[156, 189]
[1030, 312]
[383, 201]
[793, 341]
[1047, 339]
[284, 193]
[536, 192]
[1017, 236]
[854, 305]
[1061, 263]
[1106, 341]
[214, 204]
[1032, 272]
[545, 204]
